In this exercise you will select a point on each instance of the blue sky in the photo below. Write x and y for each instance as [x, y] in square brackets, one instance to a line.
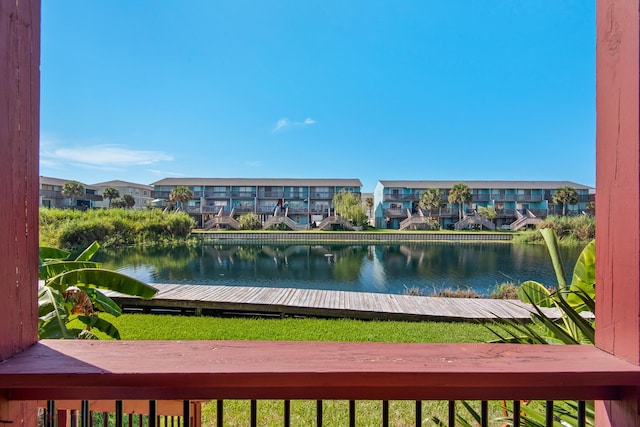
[424, 89]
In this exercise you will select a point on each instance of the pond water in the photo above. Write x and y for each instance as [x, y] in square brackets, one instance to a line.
[383, 268]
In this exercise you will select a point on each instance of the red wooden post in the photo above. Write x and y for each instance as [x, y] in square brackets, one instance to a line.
[19, 137]
[618, 190]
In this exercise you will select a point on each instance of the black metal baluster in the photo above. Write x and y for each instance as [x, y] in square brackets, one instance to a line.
[516, 413]
[105, 419]
[84, 413]
[452, 413]
[119, 414]
[153, 413]
[50, 414]
[548, 414]
[254, 413]
[186, 413]
[385, 413]
[219, 413]
[582, 413]
[352, 413]
[287, 413]
[484, 413]
[418, 413]
[319, 413]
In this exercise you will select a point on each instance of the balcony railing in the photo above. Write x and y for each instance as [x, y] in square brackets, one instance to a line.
[271, 194]
[217, 194]
[52, 194]
[400, 197]
[395, 212]
[219, 370]
[529, 198]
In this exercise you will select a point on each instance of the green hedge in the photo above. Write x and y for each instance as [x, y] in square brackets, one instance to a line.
[73, 229]
[571, 230]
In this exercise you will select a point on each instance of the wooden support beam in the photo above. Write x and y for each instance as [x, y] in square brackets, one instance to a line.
[19, 134]
[618, 191]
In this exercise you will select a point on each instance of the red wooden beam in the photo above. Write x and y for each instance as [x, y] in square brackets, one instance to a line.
[618, 195]
[19, 135]
[312, 370]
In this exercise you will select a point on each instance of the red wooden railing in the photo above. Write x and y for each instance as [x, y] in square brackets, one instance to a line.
[191, 370]
[205, 370]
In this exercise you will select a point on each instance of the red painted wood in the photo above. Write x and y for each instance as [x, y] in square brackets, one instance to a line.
[303, 370]
[618, 190]
[19, 127]
[19, 133]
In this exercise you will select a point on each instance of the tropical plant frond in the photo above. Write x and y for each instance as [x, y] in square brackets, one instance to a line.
[532, 292]
[52, 314]
[102, 302]
[71, 290]
[105, 279]
[51, 268]
[89, 252]
[47, 253]
[101, 325]
[551, 240]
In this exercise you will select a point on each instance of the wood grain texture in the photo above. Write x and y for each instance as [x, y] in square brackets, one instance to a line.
[618, 196]
[311, 370]
[19, 135]
[319, 303]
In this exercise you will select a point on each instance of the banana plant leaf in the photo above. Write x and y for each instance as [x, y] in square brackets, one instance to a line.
[53, 268]
[89, 252]
[556, 260]
[53, 253]
[103, 279]
[532, 292]
[101, 301]
[584, 276]
[101, 325]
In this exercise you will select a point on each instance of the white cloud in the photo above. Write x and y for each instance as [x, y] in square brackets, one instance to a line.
[253, 164]
[284, 124]
[164, 173]
[106, 157]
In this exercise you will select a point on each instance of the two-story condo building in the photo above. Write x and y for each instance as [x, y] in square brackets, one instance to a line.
[142, 194]
[517, 203]
[303, 201]
[51, 194]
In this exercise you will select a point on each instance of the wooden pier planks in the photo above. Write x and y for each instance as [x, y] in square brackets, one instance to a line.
[323, 303]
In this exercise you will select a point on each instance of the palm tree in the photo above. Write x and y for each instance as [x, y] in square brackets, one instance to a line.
[110, 193]
[430, 199]
[369, 202]
[179, 195]
[72, 190]
[565, 196]
[460, 194]
[129, 201]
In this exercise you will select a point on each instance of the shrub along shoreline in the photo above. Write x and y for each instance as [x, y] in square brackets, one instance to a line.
[74, 229]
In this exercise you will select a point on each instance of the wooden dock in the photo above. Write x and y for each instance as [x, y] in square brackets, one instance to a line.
[283, 302]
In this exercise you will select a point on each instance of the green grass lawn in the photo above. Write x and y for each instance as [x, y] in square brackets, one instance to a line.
[154, 327]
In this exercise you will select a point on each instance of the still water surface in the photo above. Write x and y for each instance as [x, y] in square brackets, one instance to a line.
[384, 268]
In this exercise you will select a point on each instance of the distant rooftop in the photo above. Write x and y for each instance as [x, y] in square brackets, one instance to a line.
[118, 183]
[293, 182]
[60, 182]
[543, 185]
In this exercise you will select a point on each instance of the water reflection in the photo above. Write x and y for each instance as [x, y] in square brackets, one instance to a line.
[370, 268]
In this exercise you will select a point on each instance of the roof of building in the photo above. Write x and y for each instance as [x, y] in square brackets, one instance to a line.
[47, 180]
[293, 182]
[118, 183]
[543, 185]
